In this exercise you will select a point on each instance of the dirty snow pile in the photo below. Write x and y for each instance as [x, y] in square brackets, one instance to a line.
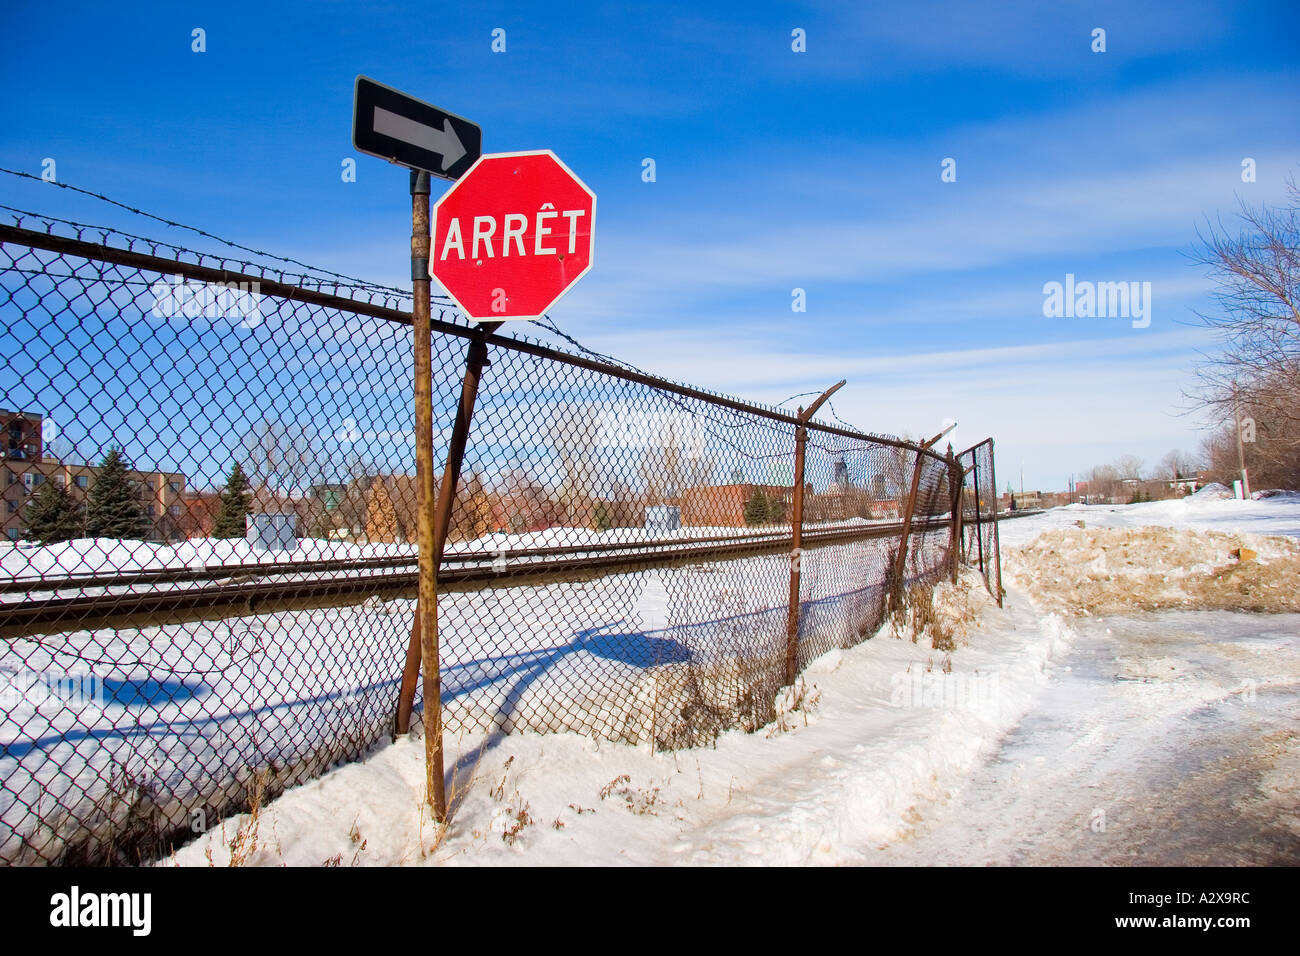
[1110, 570]
[1202, 552]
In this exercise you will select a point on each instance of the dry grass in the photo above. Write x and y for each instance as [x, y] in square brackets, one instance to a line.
[793, 706]
[640, 801]
[246, 847]
[942, 614]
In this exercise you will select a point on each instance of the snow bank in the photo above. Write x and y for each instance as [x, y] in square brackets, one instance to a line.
[1110, 570]
[873, 731]
[1268, 516]
[1164, 554]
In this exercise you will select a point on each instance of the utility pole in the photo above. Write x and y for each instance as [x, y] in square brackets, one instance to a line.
[1241, 448]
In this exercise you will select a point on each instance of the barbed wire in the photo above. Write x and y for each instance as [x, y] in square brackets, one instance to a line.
[545, 322]
[351, 280]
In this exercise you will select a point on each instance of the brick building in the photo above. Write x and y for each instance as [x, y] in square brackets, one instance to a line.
[723, 506]
[20, 435]
[24, 469]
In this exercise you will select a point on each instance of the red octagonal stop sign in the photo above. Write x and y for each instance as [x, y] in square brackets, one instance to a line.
[513, 235]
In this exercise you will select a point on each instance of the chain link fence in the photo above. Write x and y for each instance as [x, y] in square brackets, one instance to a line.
[209, 568]
[980, 546]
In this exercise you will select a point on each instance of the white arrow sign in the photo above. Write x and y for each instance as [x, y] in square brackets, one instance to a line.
[397, 127]
[443, 141]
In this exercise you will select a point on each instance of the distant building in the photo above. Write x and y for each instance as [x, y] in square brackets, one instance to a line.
[840, 471]
[20, 436]
[1024, 500]
[161, 495]
[24, 470]
[199, 511]
[723, 506]
[330, 496]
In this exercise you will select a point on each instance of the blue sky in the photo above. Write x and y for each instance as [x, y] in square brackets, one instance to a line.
[775, 170]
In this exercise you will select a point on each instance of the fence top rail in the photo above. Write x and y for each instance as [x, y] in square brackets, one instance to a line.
[979, 444]
[102, 252]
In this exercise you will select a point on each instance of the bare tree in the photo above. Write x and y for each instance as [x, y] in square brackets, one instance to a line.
[1103, 481]
[1129, 467]
[574, 433]
[1178, 464]
[1256, 372]
[674, 459]
[1272, 462]
[525, 504]
[278, 459]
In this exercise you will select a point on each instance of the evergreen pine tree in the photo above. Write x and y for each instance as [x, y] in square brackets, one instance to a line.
[113, 506]
[52, 516]
[236, 503]
[758, 509]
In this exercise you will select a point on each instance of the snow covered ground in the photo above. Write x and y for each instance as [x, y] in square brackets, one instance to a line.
[1164, 738]
[890, 751]
[187, 708]
[90, 557]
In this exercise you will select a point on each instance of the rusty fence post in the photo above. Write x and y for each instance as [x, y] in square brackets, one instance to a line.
[475, 361]
[796, 542]
[956, 478]
[900, 562]
[997, 544]
[796, 533]
[979, 534]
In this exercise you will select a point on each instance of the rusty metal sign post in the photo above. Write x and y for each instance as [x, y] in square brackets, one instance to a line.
[796, 532]
[427, 603]
[434, 517]
[428, 140]
[497, 185]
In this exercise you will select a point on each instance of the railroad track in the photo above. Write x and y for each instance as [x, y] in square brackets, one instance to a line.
[177, 595]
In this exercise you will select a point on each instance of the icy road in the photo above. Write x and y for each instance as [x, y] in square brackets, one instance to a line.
[1160, 739]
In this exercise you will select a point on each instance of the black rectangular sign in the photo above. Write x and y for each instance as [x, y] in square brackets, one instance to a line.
[391, 125]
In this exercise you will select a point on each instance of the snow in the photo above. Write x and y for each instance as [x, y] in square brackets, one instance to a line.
[842, 773]
[86, 557]
[873, 738]
[877, 740]
[1162, 739]
[1269, 516]
[188, 703]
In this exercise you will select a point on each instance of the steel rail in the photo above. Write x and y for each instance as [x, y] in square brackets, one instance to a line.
[259, 596]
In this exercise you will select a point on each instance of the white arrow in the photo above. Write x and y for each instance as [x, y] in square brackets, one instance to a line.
[443, 141]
